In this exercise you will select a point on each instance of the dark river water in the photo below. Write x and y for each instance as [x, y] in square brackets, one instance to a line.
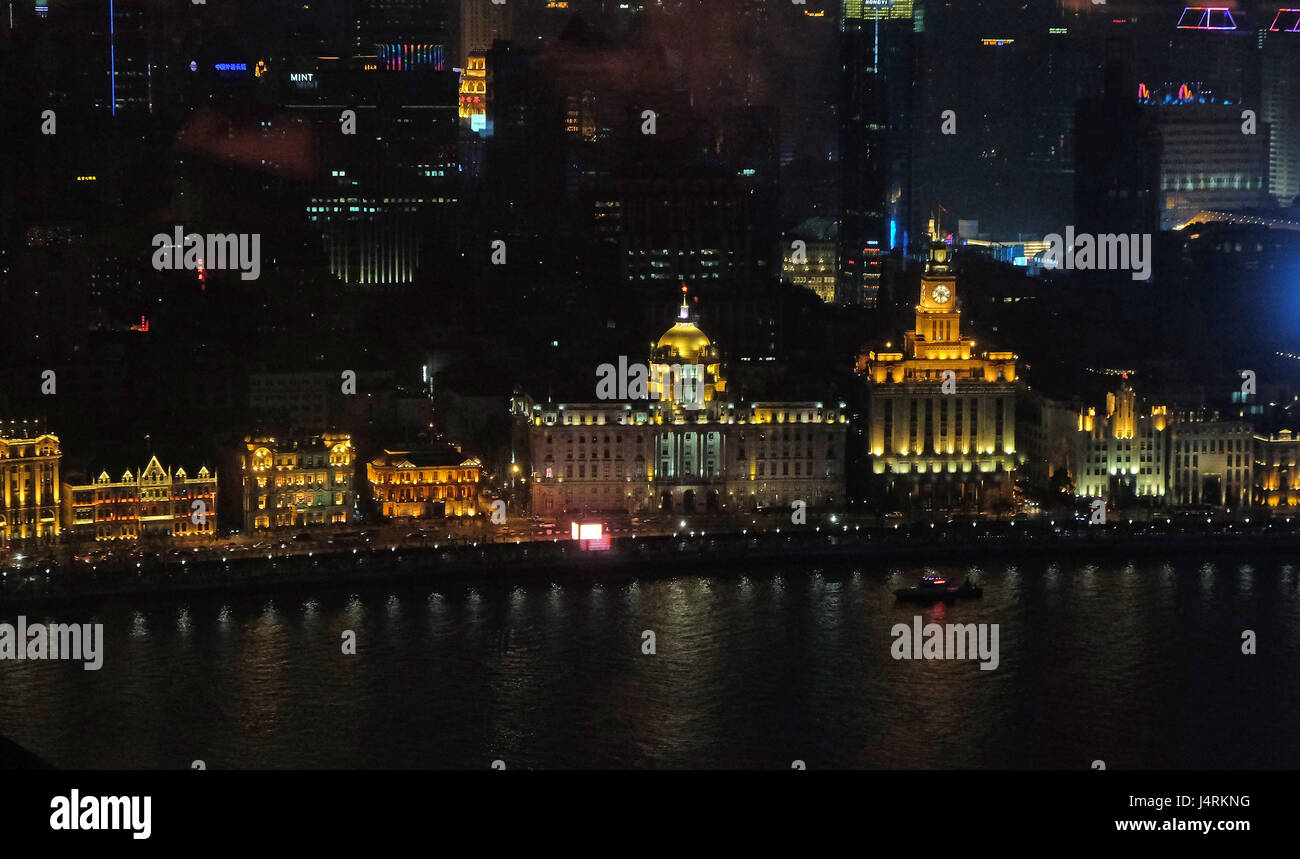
[1138, 665]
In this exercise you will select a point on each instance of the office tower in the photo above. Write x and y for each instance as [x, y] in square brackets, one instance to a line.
[387, 194]
[402, 34]
[482, 22]
[1280, 105]
[1116, 153]
[683, 225]
[808, 255]
[863, 141]
[1207, 163]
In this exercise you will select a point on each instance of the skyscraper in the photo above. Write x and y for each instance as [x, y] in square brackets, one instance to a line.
[864, 236]
[402, 34]
[1280, 107]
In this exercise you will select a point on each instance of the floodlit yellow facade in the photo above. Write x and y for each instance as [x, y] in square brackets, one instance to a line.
[1121, 455]
[1277, 471]
[153, 502]
[942, 424]
[29, 467]
[422, 484]
[298, 481]
[473, 87]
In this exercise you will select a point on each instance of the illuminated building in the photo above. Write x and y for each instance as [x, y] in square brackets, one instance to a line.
[401, 34]
[391, 186]
[1211, 463]
[816, 270]
[29, 467]
[481, 24]
[941, 449]
[424, 484]
[863, 142]
[153, 502]
[870, 10]
[1207, 163]
[879, 99]
[473, 91]
[297, 481]
[683, 225]
[1280, 106]
[1277, 477]
[684, 454]
[1121, 454]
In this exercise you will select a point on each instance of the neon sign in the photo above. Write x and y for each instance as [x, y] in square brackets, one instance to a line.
[1284, 17]
[1207, 18]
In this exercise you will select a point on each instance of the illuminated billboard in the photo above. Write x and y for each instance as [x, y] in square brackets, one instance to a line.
[587, 530]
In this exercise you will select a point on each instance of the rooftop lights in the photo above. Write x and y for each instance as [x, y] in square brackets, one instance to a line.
[1206, 18]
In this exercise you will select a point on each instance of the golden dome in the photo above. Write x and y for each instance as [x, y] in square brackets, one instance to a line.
[684, 337]
[688, 340]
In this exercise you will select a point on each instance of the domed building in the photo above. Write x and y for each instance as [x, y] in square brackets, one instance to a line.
[675, 440]
[684, 365]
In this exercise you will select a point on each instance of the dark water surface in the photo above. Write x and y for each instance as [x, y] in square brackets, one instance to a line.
[1138, 665]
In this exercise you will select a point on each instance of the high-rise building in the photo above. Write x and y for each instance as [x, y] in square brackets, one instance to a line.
[402, 34]
[29, 470]
[1208, 163]
[863, 142]
[385, 195]
[808, 256]
[1280, 108]
[941, 416]
[683, 225]
[1116, 153]
[482, 22]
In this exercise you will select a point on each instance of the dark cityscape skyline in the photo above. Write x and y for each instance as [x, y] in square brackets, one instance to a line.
[342, 293]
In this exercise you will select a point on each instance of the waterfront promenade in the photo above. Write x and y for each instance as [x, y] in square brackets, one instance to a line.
[292, 563]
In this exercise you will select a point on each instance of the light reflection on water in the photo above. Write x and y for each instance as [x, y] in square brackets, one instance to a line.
[1130, 663]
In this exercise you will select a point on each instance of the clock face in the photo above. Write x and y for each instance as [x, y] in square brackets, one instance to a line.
[941, 294]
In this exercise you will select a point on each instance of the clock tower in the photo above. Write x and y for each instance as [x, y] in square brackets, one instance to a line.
[941, 416]
[938, 321]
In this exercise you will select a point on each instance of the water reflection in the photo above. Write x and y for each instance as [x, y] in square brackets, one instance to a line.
[748, 670]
